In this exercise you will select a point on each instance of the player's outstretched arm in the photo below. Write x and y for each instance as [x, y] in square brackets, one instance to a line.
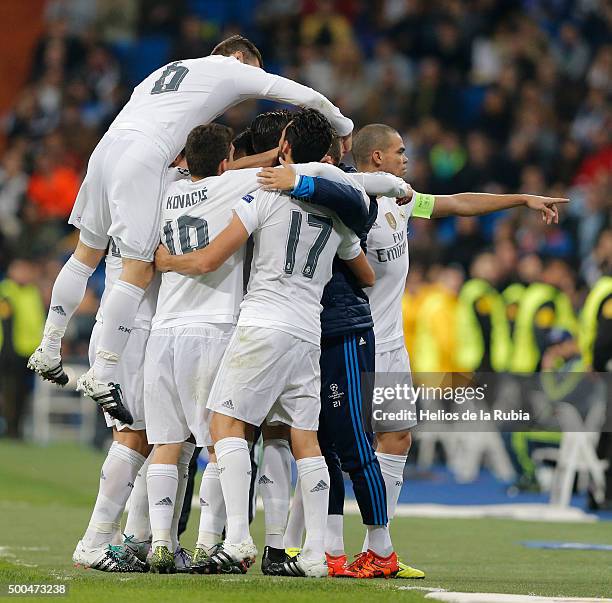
[207, 259]
[251, 82]
[478, 204]
[360, 267]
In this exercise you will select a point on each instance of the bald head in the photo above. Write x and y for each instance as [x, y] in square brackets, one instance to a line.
[378, 147]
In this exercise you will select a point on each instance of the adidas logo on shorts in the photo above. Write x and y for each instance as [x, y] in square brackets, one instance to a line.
[362, 341]
[164, 502]
[59, 310]
[264, 479]
[228, 404]
[203, 503]
[320, 486]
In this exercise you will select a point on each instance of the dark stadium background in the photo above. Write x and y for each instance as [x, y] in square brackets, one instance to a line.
[489, 95]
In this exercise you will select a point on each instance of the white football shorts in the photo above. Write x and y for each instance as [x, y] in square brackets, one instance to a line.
[121, 195]
[267, 373]
[397, 363]
[180, 366]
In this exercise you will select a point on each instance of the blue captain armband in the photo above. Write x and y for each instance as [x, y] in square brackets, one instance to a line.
[303, 188]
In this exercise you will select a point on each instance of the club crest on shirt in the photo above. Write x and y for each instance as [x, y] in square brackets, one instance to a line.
[391, 219]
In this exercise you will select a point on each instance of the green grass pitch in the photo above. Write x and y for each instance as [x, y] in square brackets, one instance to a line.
[46, 494]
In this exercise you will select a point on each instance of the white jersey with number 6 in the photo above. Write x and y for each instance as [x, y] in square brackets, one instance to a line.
[175, 98]
[294, 247]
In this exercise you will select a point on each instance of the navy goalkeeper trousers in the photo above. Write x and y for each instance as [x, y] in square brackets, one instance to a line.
[343, 437]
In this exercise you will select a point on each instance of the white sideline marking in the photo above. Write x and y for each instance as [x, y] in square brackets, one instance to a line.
[428, 589]
[520, 511]
[5, 553]
[504, 598]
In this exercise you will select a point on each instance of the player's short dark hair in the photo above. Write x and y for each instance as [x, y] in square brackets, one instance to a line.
[373, 137]
[207, 146]
[335, 150]
[310, 135]
[266, 129]
[243, 144]
[238, 43]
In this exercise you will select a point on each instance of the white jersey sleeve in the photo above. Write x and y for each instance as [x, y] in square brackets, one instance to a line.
[251, 82]
[333, 173]
[381, 184]
[350, 245]
[252, 209]
[373, 183]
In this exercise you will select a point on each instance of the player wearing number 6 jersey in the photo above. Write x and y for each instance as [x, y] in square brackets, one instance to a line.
[121, 194]
[270, 368]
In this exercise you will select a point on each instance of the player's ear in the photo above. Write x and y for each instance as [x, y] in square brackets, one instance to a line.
[327, 159]
[285, 148]
[239, 55]
[377, 158]
[222, 167]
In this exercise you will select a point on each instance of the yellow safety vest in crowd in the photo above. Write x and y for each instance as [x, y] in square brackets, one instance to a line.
[28, 315]
[434, 346]
[590, 311]
[512, 295]
[531, 314]
[477, 296]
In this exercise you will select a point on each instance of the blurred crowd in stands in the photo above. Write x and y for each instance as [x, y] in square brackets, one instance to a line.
[489, 95]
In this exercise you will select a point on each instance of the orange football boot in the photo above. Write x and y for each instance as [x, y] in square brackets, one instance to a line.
[371, 565]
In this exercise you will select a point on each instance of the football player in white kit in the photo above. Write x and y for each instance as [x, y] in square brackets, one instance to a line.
[123, 471]
[121, 195]
[193, 321]
[378, 147]
[270, 368]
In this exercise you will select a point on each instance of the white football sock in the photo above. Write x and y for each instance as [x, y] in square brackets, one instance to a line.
[120, 310]
[379, 540]
[334, 535]
[314, 478]
[162, 483]
[116, 482]
[67, 295]
[183, 475]
[138, 524]
[294, 533]
[234, 465]
[392, 468]
[212, 508]
[275, 489]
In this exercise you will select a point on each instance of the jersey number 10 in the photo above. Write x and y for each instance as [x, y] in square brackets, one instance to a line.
[193, 234]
